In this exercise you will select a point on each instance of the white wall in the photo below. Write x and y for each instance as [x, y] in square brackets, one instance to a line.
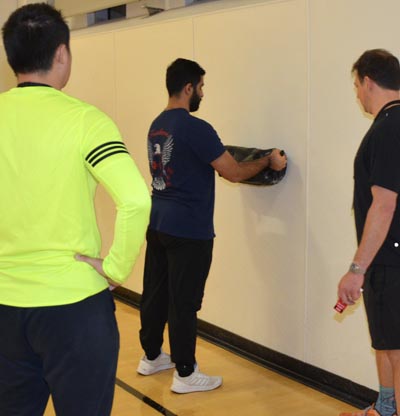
[253, 99]
[7, 78]
[338, 35]
[278, 74]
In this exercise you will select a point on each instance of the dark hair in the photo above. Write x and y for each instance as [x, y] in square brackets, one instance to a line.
[31, 36]
[381, 66]
[182, 72]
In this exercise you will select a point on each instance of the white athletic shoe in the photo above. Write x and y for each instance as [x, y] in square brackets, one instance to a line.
[195, 382]
[162, 362]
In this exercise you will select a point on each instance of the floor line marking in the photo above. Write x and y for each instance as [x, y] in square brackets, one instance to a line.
[143, 398]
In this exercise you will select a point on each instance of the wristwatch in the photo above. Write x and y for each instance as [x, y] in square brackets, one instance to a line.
[356, 269]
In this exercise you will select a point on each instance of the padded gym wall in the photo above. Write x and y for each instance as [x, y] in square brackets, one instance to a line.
[7, 78]
[340, 31]
[278, 74]
[258, 92]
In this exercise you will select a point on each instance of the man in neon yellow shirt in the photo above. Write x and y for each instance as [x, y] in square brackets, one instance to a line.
[58, 330]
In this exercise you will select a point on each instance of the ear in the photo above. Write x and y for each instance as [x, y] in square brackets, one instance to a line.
[188, 89]
[369, 83]
[61, 55]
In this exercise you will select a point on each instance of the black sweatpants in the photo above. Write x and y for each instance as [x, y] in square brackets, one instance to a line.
[175, 275]
[68, 351]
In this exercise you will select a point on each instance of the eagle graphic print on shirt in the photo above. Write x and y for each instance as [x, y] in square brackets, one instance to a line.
[160, 145]
[181, 148]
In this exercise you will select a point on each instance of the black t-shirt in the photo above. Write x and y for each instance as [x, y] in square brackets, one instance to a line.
[378, 163]
[181, 148]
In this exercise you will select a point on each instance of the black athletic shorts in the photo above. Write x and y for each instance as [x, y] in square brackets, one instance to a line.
[382, 304]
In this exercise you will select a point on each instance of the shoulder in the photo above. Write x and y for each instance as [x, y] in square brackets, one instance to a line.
[200, 125]
[89, 115]
[383, 138]
[389, 120]
[386, 127]
[198, 121]
[81, 105]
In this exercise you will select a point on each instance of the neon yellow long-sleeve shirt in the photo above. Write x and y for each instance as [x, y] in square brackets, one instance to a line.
[54, 150]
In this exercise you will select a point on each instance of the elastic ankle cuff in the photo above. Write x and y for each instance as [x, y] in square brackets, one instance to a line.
[152, 356]
[184, 370]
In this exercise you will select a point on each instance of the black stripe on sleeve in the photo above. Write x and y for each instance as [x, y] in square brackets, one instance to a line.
[107, 155]
[104, 151]
[101, 146]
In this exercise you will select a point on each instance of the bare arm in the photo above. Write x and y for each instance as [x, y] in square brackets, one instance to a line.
[377, 224]
[234, 171]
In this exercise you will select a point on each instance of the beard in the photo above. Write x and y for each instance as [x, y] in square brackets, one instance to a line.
[194, 102]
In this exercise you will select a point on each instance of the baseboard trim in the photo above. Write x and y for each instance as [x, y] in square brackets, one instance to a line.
[317, 378]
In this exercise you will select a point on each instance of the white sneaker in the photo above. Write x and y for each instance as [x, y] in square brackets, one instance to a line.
[162, 362]
[195, 382]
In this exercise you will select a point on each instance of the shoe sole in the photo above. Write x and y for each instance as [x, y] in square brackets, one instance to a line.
[144, 372]
[194, 389]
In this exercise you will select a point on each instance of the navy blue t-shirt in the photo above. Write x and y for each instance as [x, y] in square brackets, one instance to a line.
[378, 163]
[180, 149]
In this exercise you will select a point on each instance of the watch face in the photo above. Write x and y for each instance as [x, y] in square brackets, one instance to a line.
[355, 268]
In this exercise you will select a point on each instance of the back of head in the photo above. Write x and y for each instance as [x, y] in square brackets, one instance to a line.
[31, 36]
[380, 66]
[182, 72]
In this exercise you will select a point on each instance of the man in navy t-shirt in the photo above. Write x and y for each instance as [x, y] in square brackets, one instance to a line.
[184, 153]
[181, 148]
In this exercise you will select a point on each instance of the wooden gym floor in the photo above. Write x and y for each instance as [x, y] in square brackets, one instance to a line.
[248, 389]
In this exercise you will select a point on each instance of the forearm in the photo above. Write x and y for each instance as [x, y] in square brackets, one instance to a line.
[235, 171]
[247, 170]
[126, 186]
[130, 227]
[376, 228]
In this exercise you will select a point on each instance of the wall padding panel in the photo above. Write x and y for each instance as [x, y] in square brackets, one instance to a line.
[278, 74]
[338, 36]
[93, 80]
[7, 78]
[142, 56]
[256, 96]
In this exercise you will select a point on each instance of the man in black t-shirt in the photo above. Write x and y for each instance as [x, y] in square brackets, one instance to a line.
[184, 153]
[376, 265]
